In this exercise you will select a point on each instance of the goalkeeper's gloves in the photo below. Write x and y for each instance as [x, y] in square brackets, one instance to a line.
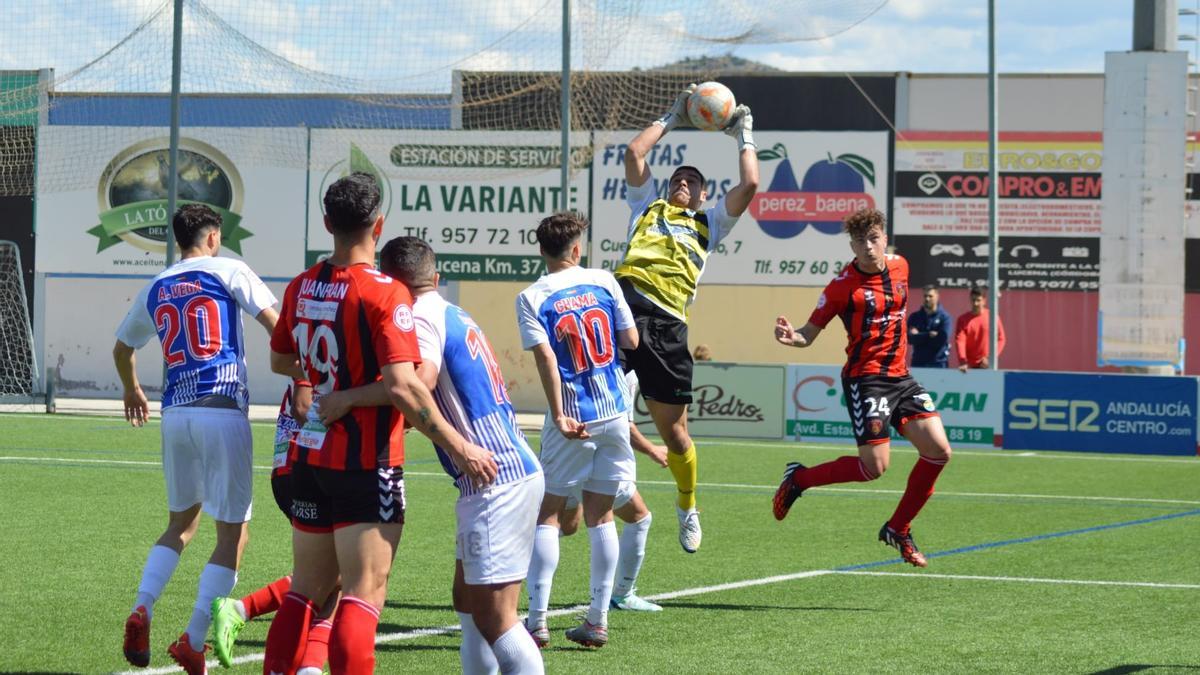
[677, 115]
[741, 127]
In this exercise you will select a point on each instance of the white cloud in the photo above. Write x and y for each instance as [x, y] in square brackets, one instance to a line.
[301, 56]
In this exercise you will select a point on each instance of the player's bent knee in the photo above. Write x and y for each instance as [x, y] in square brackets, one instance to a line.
[874, 470]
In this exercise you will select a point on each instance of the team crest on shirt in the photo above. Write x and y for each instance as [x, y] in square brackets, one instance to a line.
[821, 301]
[876, 425]
[403, 317]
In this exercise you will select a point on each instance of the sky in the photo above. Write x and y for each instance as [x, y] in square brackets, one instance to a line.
[411, 45]
[934, 36]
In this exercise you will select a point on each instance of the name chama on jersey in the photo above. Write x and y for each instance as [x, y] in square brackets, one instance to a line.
[576, 302]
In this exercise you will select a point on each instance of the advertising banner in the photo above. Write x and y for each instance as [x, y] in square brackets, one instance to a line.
[102, 206]
[971, 404]
[1100, 413]
[1049, 208]
[791, 234]
[731, 401]
[475, 196]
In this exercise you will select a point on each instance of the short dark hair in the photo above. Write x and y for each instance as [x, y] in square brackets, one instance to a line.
[408, 259]
[191, 222]
[932, 287]
[557, 232]
[980, 290]
[351, 202]
[859, 223]
[689, 167]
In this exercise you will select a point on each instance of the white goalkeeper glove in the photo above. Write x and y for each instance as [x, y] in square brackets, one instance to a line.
[741, 127]
[677, 115]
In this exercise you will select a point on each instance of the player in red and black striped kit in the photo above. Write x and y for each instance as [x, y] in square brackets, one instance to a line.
[345, 325]
[870, 295]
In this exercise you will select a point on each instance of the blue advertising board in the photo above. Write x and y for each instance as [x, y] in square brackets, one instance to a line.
[1100, 413]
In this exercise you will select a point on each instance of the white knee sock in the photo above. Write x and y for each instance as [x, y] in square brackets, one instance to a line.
[160, 565]
[633, 551]
[215, 582]
[541, 571]
[474, 652]
[517, 653]
[604, 545]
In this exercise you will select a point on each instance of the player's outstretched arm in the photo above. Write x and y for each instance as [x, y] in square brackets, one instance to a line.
[412, 397]
[137, 408]
[737, 200]
[788, 336]
[547, 366]
[637, 172]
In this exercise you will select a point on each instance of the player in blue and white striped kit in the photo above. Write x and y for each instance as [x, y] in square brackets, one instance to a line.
[194, 307]
[574, 320]
[495, 523]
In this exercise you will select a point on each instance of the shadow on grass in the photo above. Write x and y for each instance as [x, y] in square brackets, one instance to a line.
[393, 604]
[410, 647]
[1128, 668]
[433, 631]
[762, 608]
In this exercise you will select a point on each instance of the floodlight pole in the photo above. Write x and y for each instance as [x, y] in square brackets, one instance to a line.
[173, 156]
[993, 193]
[566, 102]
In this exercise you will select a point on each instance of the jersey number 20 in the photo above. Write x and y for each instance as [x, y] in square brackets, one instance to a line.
[200, 322]
[588, 337]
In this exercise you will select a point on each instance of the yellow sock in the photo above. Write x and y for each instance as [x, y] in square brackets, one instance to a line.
[683, 467]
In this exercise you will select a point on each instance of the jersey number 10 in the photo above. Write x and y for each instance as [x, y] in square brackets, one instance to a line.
[588, 337]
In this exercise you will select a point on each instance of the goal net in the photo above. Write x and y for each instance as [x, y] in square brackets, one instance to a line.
[259, 70]
[18, 369]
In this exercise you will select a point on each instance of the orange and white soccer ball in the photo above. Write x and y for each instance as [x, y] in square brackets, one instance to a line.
[711, 106]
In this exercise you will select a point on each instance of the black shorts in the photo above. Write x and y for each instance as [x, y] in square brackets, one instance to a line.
[662, 361]
[281, 488]
[875, 401]
[325, 499]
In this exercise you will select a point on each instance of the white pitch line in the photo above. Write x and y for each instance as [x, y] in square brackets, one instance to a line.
[1005, 495]
[906, 448]
[742, 486]
[1028, 580]
[446, 630]
[703, 590]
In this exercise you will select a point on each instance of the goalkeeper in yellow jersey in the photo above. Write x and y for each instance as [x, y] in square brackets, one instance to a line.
[669, 242]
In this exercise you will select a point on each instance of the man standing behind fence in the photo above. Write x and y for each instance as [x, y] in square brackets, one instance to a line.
[929, 332]
[971, 333]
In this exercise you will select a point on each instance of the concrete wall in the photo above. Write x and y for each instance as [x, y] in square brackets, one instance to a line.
[1027, 103]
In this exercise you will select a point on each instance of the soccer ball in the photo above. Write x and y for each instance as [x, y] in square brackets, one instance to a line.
[711, 106]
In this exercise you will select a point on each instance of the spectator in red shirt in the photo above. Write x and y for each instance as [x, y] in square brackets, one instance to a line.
[971, 333]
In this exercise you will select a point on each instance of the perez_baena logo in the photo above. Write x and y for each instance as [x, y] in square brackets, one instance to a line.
[132, 194]
[832, 188]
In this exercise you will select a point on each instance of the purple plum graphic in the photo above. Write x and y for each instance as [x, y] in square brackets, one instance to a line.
[832, 175]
